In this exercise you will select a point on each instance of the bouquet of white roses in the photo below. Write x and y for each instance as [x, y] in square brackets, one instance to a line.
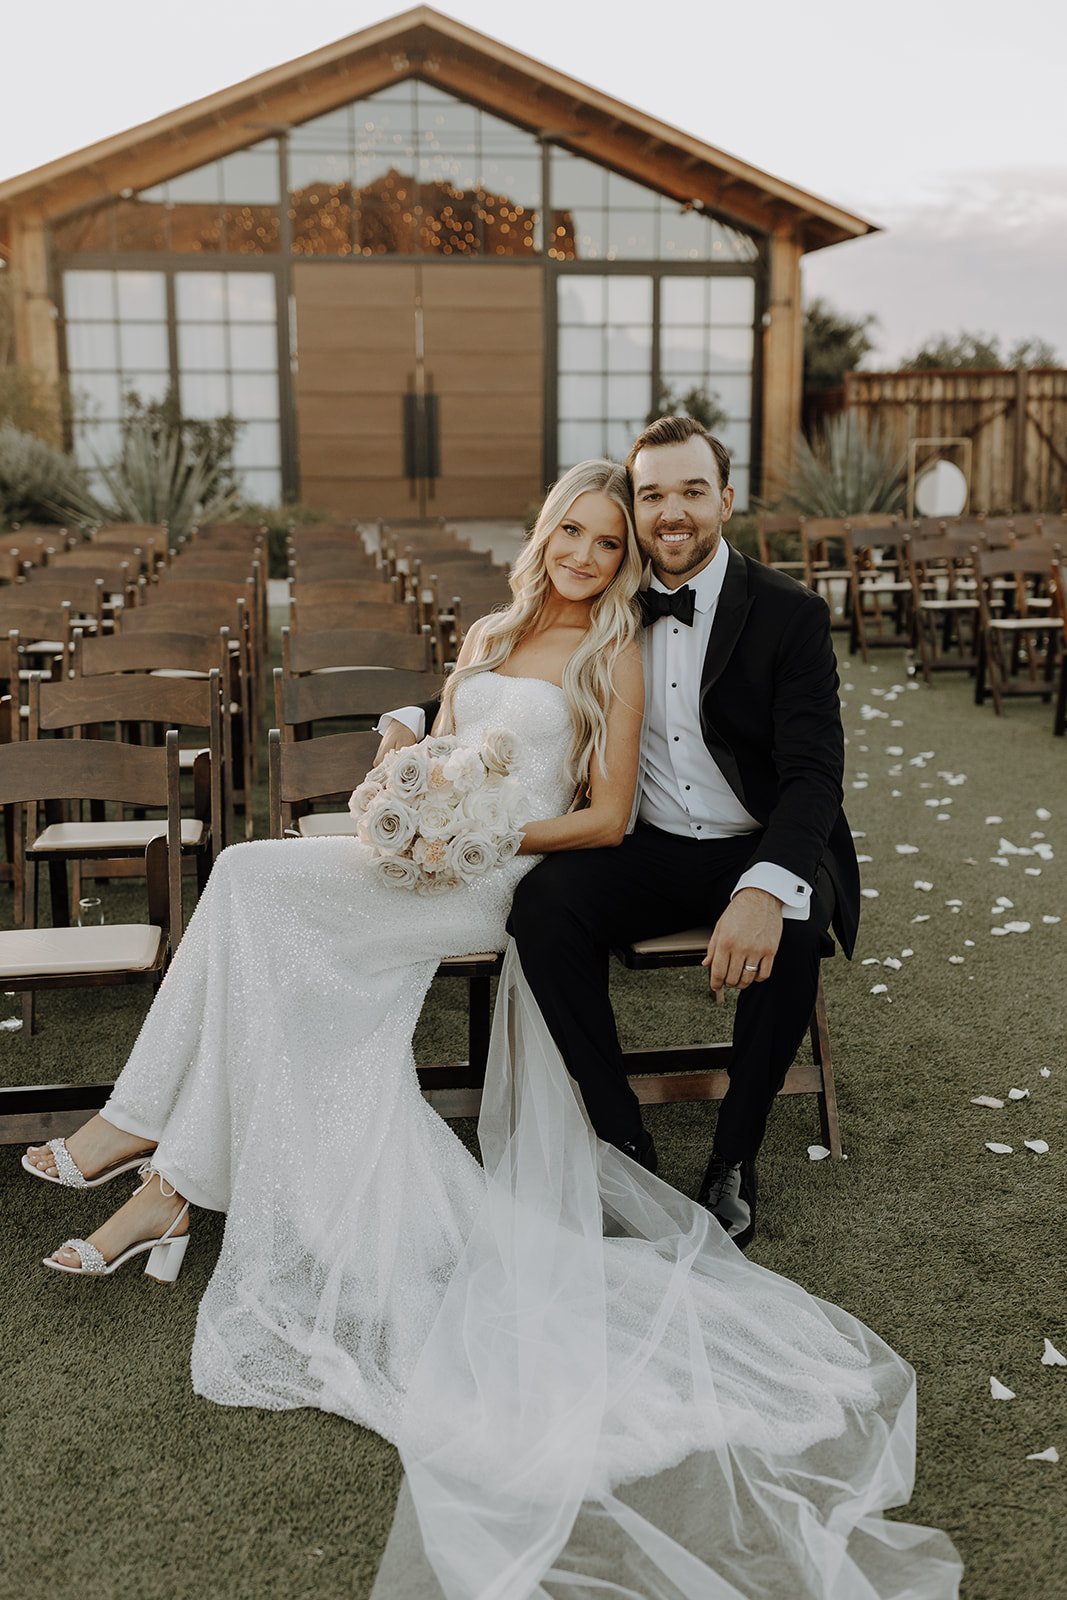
[441, 813]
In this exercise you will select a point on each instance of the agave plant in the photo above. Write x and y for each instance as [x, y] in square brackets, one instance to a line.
[162, 477]
[848, 470]
[40, 483]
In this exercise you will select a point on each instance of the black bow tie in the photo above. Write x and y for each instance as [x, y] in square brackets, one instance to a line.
[680, 603]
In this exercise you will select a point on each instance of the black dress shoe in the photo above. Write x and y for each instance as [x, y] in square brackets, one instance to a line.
[729, 1193]
[642, 1151]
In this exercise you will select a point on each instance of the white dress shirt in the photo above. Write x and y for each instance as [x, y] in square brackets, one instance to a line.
[682, 790]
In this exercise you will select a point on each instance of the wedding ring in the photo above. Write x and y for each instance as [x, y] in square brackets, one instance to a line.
[749, 967]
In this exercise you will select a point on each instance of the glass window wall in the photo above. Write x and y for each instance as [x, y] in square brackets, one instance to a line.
[116, 327]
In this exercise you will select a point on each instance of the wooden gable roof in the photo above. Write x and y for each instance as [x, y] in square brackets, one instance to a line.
[424, 43]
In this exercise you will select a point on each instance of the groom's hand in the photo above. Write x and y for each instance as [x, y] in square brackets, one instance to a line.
[397, 736]
[744, 941]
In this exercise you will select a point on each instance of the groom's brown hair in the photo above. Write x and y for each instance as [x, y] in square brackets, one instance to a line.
[676, 430]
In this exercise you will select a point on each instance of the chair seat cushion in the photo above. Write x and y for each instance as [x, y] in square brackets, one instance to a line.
[59, 952]
[694, 940]
[325, 823]
[106, 836]
[187, 758]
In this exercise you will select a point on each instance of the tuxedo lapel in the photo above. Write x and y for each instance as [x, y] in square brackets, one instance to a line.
[731, 612]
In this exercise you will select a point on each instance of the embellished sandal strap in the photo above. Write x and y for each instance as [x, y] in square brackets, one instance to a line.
[89, 1256]
[69, 1172]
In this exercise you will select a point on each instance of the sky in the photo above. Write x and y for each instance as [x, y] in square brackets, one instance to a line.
[943, 121]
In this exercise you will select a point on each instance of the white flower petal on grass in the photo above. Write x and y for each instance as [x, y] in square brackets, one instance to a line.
[1042, 815]
[880, 988]
[869, 894]
[955, 961]
[998, 931]
[1050, 922]
[1032, 872]
[1018, 1094]
[943, 816]
[989, 1100]
[953, 902]
[924, 916]
[891, 961]
[969, 943]
[993, 819]
[908, 951]
[999, 1149]
[1000, 1391]
[871, 961]
[817, 1152]
[921, 883]
[1038, 1146]
[1006, 848]
[1051, 1357]
[895, 794]
[1045, 1072]
[860, 783]
[999, 861]
[894, 749]
[907, 849]
[1051, 1454]
[1017, 927]
[1002, 900]
[863, 859]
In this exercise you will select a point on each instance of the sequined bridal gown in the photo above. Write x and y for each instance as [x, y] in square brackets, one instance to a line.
[587, 1382]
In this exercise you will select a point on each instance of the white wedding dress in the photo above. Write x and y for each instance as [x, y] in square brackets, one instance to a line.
[590, 1387]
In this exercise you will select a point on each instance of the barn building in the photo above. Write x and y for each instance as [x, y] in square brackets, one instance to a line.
[425, 271]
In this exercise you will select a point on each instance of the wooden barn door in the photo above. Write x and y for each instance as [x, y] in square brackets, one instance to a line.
[419, 389]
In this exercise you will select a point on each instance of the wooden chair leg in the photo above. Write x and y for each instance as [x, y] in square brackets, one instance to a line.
[29, 1012]
[478, 1022]
[820, 1054]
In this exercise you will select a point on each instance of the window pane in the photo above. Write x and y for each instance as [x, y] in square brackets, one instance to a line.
[576, 182]
[733, 301]
[623, 192]
[264, 488]
[736, 436]
[620, 435]
[629, 396]
[257, 445]
[516, 178]
[250, 177]
[148, 385]
[581, 300]
[446, 167]
[496, 134]
[91, 346]
[201, 294]
[203, 185]
[581, 235]
[631, 235]
[683, 300]
[683, 235]
[202, 346]
[730, 349]
[739, 477]
[89, 294]
[581, 350]
[95, 441]
[330, 132]
[683, 350]
[318, 172]
[579, 441]
[446, 124]
[253, 395]
[251, 297]
[580, 397]
[97, 394]
[254, 349]
[629, 349]
[629, 300]
[144, 345]
[142, 296]
[735, 395]
[205, 394]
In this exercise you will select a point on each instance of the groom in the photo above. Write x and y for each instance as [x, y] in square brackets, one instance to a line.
[738, 819]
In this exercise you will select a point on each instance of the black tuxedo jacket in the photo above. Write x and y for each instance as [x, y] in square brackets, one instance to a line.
[770, 717]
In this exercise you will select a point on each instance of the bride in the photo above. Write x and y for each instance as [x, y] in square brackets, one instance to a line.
[588, 1384]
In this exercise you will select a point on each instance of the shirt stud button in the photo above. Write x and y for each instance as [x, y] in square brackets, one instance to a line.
[676, 738]
[674, 686]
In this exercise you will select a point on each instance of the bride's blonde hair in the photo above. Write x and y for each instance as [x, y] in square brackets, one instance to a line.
[613, 617]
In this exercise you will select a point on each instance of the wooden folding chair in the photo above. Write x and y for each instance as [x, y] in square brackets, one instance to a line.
[374, 590]
[325, 616]
[777, 533]
[879, 589]
[322, 561]
[1018, 649]
[96, 845]
[328, 769]
[357, 694]
[53, 772]
[944, 606]
[309, 651]
[670, 1073]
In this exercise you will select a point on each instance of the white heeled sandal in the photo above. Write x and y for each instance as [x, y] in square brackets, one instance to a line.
[70, 1175]
[166, 1253]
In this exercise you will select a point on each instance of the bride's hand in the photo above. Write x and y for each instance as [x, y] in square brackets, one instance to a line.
[396, 737]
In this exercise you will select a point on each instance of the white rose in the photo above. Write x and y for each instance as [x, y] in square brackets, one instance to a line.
[513, 798]
[400, 871]
[387, 825]
[500, 749]
[440, 884]
[507, 845]
[364, 792]
[438, 786]
[471, 854]
[437, 819]
[431, 855]
[441, 747]
[464, 770]
[486, 810]
[409, 775]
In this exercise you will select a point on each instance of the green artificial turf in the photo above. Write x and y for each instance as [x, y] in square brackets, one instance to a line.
[119, 1481]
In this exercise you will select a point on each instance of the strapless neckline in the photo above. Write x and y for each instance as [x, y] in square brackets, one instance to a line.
[519, 677]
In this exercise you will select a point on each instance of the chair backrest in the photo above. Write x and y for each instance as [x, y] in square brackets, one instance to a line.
[88, 591]
[208, 530]
[327, 615]
[188, 618]
[149, 652]
[124, 697]
[305, 651]
[82, 556]
[44, 770]
[35, 619]
[314, 769]
[1030, 560]
[360, 591]
[319, 561]
[361, 692]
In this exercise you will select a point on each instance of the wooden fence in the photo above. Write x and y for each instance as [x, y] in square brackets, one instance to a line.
[1015, 418]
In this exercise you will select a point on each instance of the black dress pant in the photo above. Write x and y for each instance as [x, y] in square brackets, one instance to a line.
[576, 904]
